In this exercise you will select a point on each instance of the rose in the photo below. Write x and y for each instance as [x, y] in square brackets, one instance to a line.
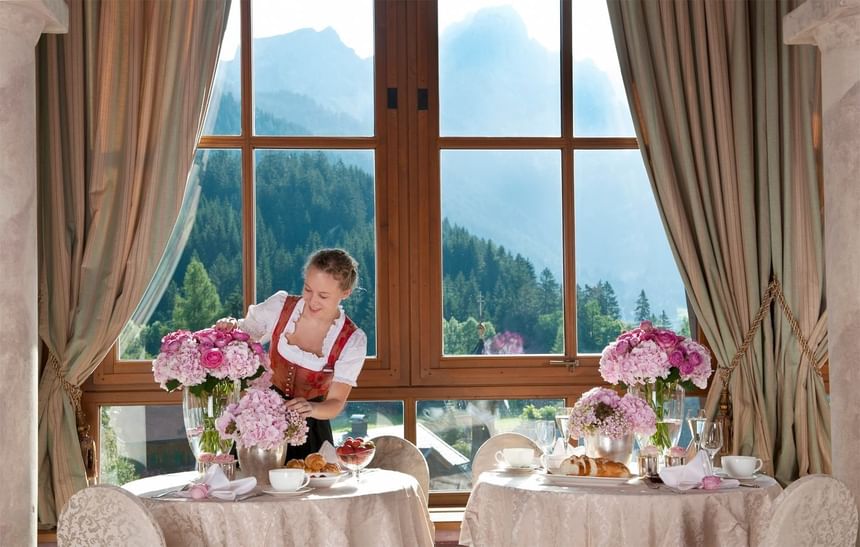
[711, 482]
[677, 452]
[239, 335]
[221, 339]
[212, 358]
[223, 458]
[199, 491]
[206, 457]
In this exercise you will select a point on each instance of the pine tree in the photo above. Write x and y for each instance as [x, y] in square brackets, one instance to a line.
[663, 320]
[643, 308]
[198, 306]
[684, 330]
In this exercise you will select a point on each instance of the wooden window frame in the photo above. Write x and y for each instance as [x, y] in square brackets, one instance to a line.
[409, 365]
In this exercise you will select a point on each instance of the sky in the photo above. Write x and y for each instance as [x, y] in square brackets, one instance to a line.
[353, 22]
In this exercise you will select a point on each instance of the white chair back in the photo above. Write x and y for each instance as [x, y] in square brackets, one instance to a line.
[485, 458]
[816, 510]
[396, 454]
[105, 516]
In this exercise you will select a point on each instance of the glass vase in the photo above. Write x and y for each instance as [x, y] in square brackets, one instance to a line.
[667, 401]
[199, 412]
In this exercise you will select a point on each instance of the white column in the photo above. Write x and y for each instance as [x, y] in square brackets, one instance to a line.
[22, 22]
[834, 26]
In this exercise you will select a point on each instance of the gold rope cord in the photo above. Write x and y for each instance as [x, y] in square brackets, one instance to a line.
[74, 392]
[774, 290]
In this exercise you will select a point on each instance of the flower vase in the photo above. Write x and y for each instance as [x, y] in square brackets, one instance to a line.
[667, 401]
[256, 462]
[602, 446]
[199, 412]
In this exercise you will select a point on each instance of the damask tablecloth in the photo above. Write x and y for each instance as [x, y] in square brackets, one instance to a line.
[385, 508]
[523, 511]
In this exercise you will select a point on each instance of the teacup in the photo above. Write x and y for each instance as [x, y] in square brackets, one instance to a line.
[288, 480]
[741, 467]
[552, 461]
[515, 457]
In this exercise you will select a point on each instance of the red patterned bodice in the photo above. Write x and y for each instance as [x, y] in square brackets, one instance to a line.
[294, 380]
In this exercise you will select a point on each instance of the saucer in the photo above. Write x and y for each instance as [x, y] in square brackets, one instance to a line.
[274, 492]
[723, 475]
[524, 469]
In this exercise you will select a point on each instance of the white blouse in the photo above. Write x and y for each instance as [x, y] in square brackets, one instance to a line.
[261, 321]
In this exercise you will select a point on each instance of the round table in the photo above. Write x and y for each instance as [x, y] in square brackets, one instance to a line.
[523, 510]
[384, 508]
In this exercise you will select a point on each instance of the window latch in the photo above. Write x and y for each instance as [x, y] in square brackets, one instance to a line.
[571, 364]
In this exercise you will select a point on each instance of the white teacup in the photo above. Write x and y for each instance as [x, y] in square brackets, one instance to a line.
[515, 457]
[740, 467]
[552, 461]
[288, 480]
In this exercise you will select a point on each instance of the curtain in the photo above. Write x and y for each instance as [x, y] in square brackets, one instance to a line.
[724, 113]
[121, 102]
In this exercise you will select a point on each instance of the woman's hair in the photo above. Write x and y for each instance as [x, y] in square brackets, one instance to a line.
[338, 264]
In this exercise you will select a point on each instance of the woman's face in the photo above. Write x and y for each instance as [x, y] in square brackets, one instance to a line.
[322, 293]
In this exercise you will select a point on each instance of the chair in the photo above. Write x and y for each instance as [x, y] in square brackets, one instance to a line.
[814, 510]
[396, 454]
[485, 458]
[104, 516]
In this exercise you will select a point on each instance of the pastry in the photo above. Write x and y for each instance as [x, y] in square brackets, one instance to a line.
[593, 467]
[314, 462]
[296, 464]
[331, 468]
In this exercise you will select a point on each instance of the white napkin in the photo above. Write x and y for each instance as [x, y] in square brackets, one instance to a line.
[221, 488]
[686, 477]
[328, 452]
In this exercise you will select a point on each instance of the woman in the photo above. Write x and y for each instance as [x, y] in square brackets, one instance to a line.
[316, 351]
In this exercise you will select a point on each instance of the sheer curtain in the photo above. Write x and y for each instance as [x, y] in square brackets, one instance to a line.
[122, 98]
[724, 112]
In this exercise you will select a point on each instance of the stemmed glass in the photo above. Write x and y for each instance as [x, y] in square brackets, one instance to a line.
[711, 440]
[562, 418]
[356, 461]
[696, 420]
[545, 433]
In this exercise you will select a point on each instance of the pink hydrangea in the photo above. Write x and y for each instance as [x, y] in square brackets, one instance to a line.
[646, 354]
[261, 419]
[603, 411]
[189, 358]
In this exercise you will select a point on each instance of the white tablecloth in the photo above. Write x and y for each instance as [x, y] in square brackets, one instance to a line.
[385, 508]
[523, 511]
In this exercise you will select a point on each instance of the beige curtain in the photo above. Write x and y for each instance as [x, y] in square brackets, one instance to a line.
[724, 112]
[122, 98]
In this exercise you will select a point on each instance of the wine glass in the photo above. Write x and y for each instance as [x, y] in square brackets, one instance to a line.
[696, 420]
[562, 418]
[545, 433]
[711, 440]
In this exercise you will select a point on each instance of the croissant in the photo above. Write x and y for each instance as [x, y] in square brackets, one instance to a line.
[296, 464]
[331, 468]
[314, 462]
[593, 467]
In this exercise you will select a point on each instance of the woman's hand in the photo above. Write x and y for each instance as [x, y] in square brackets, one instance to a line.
[227, 324]
[302, 406]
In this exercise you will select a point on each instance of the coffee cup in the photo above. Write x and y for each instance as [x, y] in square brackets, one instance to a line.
[288, 480]
[515, 457]
[552, 461]
[741, 467]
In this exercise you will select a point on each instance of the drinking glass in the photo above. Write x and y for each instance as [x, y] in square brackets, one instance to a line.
[562, 418]
[696, 420]
[545, 433]
[711, 440]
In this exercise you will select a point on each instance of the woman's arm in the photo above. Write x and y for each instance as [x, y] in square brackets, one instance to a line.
[338, 393]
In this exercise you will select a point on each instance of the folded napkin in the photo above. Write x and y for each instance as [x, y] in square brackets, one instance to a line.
[328, 452]
[216, 485]
[686, 477]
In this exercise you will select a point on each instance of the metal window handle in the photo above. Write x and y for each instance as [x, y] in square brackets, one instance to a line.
[571, 364]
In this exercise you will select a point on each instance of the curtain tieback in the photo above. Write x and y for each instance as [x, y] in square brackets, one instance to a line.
[774, 290]
[74, 392]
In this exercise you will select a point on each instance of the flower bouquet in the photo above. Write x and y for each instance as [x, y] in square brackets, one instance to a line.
[602, 411]
[660, 365]
[212, 366]
[262, 427]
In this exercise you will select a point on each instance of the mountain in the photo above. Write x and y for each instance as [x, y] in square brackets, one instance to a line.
[494, 81]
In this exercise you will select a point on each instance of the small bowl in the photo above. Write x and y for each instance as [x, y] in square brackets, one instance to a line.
[324, 480]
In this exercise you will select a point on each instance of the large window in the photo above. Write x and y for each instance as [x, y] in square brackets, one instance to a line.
[478, 158]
